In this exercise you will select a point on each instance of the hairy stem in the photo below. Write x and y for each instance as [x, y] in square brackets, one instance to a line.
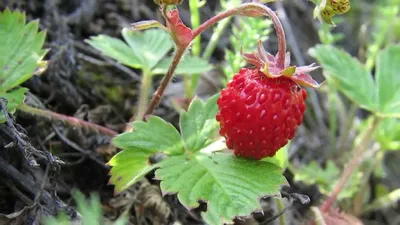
[67, 119]
[358, 201]
[319, 218]
[165, 81]
[145, 86]
[332, 98]
[245, 9]
[352, 165]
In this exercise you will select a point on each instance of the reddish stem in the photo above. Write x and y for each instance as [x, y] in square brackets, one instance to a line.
[165, 81]
[352, 165]
[241, 10]
[67, 119]
[245, 9]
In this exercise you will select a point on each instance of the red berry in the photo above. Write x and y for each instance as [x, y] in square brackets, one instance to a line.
[261, 108]
[258, 114]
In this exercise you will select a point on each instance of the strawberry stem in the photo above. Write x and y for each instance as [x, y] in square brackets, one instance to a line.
[246, 9]
[66, 119]
[165, 81]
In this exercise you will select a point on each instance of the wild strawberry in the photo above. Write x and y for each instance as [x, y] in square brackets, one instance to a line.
[261, 108]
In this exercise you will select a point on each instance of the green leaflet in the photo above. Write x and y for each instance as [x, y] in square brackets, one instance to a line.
[351, 77]
[14, 99]
[148, 50]
[198, 124]
[154, 135]
[128, 167]
[388, 81]
[381, 96]
[20, 49]
[232, 186]
[20, 56]
[188, 65]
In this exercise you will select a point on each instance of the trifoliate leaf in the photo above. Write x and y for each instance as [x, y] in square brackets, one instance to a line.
[198, 124]
[350, 76]
[150, 45]
[232, 186]
[116, 49]
[20, 49]
[14, 99]
[326, 178]
[128, 167]
[188, 65]
[142, 49]
[154, 135]
[388, 81]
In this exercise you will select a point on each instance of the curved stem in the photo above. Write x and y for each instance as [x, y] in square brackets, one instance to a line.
[247, 9]
[352, 165]
[67, 119]
[165, 81]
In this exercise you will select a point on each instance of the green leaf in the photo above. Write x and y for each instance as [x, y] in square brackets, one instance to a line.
[155, 135]
[281, 157]
[128, 167]
[326, 178]
[198, 124]
[232, 186]
[388, 134]
[150, 45]
[143, 49]
[116, 49]
[189, 65]
[89, 209]
[350, 76]
[384, 202]
[20, 49]
[388, 81]
[14, 99]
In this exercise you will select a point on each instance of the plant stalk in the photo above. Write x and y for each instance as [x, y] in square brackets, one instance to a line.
[145, 85]
[67, 119]
[212, 44]
[195, 20]
[352, 165]
[280, 206]
[192, 81]
[332, 98]
[358, 201]
[165, 81]
[245, 9]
